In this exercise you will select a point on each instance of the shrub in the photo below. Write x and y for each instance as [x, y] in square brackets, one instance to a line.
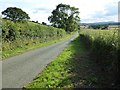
[105, 49]
[19, 34]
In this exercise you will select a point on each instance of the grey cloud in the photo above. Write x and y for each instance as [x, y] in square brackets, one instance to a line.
[44, 10]
[110, 11]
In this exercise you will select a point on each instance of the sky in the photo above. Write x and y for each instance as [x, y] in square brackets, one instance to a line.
[90, 10]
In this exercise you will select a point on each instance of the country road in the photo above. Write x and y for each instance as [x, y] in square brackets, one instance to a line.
[19, 70]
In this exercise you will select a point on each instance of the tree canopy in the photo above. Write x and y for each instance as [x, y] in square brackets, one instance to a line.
[97, 26]
[14, 13]
[65, 17]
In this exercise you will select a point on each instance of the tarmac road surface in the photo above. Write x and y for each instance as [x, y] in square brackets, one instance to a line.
[19, 70]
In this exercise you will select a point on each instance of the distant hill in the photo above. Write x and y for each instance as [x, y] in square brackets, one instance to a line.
[101, 23]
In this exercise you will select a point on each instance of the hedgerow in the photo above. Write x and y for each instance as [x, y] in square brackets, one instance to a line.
[105, 49]
[19, 34]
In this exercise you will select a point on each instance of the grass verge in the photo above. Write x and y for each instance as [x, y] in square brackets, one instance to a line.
[72, 68]
[19, 50]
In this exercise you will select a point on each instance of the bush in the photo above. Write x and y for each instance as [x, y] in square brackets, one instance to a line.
[18, 34]
[105, 49]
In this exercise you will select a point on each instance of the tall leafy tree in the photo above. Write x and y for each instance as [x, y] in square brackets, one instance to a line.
[14, 13]
[66, 17]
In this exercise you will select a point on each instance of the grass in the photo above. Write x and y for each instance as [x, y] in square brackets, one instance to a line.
[18, 37]
[19, 50]
[72, 68]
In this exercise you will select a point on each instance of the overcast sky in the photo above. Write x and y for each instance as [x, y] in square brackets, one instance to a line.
[90, 10]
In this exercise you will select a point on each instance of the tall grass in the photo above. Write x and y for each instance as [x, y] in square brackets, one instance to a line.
[105, 49]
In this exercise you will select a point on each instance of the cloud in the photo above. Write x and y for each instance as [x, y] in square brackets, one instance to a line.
[104, 12]
[42, 10]
[90, 10]
[103, 19]
[111, 10]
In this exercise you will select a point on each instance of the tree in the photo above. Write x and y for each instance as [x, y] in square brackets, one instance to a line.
[97, 26]
[15, 14]
[104, 27]
[44, 23]
[65, 17]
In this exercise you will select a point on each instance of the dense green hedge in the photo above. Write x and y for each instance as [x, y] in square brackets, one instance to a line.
[105, 49]
[18, 34]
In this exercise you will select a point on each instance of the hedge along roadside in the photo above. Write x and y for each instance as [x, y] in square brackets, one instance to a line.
[105, 49]
[21, 35]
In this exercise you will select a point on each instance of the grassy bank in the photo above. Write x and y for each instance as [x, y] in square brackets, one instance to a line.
[18, 37]
[71, 69]
[58, 71]
[19, 50]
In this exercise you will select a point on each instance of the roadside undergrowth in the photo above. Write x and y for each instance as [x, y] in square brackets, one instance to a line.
[72, 68]
[19, 50]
